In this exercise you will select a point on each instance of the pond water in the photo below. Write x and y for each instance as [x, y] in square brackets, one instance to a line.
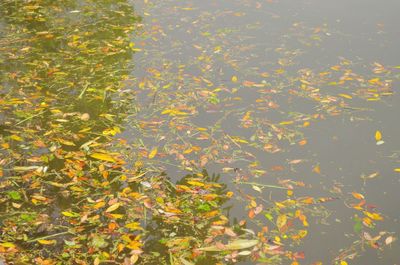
[269, 45]
[113, 115]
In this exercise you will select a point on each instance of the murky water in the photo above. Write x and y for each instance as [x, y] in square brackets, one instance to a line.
[253, 40]
[112, 112]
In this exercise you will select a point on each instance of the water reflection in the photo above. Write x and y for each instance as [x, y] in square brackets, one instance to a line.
[63, 65]
[187, 218]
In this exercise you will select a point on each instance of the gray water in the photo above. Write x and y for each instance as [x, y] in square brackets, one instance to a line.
[246, 38]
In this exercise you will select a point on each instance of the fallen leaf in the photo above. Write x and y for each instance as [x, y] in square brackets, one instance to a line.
[7, 245]
[358, 195]
[235, 245]
[378, 136]
[389, 240]
[256, 188]
[47, 242]
[153, 153]
[281, 221]
[113, 207]
[102, 156]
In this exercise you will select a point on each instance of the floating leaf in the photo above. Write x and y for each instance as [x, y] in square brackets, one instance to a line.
[153, 153]
[358, 195]
[70, 214]
[256, 188]
[134, 226]
[378, 136]
[47, 242]
[389, 240]
[7, 245]
[65, 142]
[244, 253]
[14, 195]
[235, 245]
[134, 258]
[281, 221]
[373, 216]
[113, 207]
[346, 96]
[102, 156]
[317, 169]
[16, 138]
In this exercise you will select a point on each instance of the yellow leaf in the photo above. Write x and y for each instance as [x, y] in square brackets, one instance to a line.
[113, 207]
[234, 79]
[16, 138]
[7, 245]
[346, 96]
[135, 245]
[373, 216]
[378, 136]
[99, 205]
[134, 226]
[281, 221]
[317, 169]
[286, 122]
[116, 216]
[70, 214]
[65, 142]
[46, 242]
[397, 170]
[102, 156]
[153, 153]
[343, 262]
[195, 183]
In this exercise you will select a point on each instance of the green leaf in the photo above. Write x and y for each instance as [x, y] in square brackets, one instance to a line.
[99, 242]
[358, 226]
[204, 207]
[14, 195]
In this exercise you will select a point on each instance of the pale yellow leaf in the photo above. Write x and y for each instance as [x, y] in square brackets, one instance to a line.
[113, 207]
[281, 221]
[235, 245]
[102, 156]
